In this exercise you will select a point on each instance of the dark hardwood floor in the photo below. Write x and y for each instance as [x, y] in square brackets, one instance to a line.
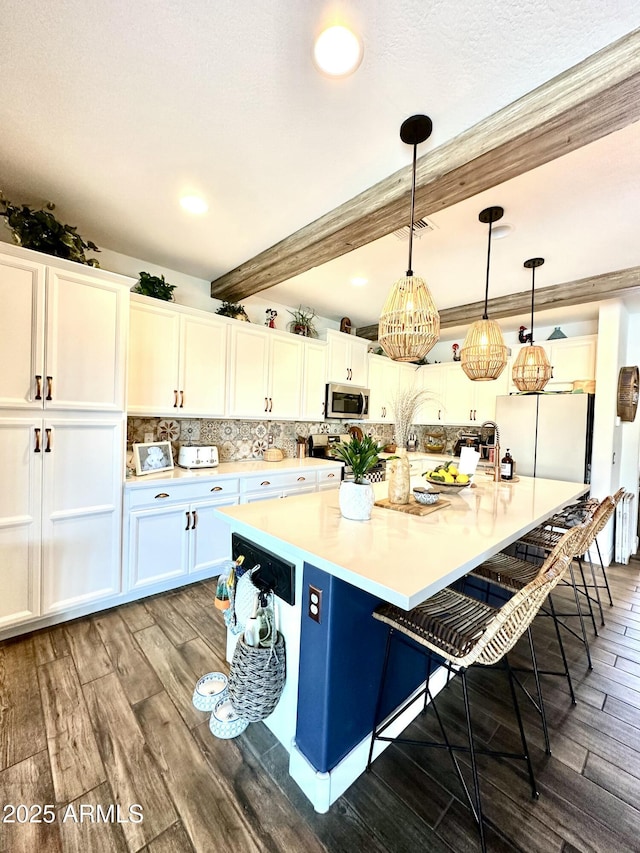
[98, 711]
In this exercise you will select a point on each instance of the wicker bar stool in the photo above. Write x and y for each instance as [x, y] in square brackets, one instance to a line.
[464, 631]
[570, 516]
[513, 574]
[546, 537]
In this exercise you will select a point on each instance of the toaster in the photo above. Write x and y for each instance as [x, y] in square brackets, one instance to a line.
[190, 456]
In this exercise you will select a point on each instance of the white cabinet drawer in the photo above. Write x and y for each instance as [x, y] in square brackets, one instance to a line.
[268, 481]
[163, 492]
[329, 475]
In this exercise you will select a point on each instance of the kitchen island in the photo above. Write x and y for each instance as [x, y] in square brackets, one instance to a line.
[324, 717]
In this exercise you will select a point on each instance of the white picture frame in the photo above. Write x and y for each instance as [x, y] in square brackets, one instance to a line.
[152, 457]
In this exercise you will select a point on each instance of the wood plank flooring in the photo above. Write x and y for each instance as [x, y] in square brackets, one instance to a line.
[98, 712]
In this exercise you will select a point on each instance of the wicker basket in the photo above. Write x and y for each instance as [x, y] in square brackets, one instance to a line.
[273, 454]
[256, 678]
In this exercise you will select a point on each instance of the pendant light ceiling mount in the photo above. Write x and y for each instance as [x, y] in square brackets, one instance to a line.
[484, 354]
[531, 370]
[409, 324]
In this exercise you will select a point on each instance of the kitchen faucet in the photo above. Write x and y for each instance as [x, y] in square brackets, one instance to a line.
[496, 447]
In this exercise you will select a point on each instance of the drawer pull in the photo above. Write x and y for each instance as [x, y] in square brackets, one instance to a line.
[162, 495]
[38, 387]
[194, 524]
[49, 388]
[48, 447]
[36, 449]
[265, 483]
[301, 479]
[188, 514]
[216, 489]
[329, 476]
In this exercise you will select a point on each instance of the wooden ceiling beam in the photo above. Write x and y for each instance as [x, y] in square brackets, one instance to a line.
[592, 289]
[594, 98]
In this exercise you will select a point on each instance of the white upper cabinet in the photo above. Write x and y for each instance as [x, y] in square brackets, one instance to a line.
[177, 361]
[347, 358]
[314, 380]
[430, 378]
[469, 402]
[63, 332]
[265, 373]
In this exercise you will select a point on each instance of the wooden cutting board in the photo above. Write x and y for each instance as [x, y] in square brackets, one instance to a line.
[413, 507]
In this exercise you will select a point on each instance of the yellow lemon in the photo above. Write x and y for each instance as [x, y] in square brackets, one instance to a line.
[448, 478]
[452, 469]
[462, 478]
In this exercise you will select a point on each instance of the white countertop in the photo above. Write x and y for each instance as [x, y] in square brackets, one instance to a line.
[403, 558]
[224, 470]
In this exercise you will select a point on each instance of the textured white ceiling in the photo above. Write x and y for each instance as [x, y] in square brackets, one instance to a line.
[114, 110]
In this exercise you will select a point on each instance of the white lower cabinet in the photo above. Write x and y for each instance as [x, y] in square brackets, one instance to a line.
[60, 513]
[173, 531]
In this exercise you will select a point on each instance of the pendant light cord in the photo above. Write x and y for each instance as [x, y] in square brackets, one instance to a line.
[533, 286]
[485, 316]
[413, 201]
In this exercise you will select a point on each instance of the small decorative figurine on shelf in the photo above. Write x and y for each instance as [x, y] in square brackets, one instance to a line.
[523, 336]
[456, 353]
[345, 325]
[271, 318]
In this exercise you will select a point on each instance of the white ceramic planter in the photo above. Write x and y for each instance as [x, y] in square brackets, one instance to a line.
[356, 500]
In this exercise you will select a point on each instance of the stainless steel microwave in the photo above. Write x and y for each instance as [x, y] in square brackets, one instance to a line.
[347, 401]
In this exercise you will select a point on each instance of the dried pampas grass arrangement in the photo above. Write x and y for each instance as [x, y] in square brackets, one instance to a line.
[404, 407]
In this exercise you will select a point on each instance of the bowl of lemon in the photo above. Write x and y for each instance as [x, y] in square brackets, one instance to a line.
[447, 478]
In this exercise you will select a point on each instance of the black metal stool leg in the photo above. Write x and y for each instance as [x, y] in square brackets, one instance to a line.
[596, 588]
[581, 617]
[585, 591]
[472, 755]
[539, 706]
[525, 748]
[604, 574]
[379, 698]
[562, 652]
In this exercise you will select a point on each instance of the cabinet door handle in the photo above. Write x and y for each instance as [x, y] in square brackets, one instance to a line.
[194, 513]
[323, 408]
[38, 387]
[216, 489]
[301, 479]
[48, 434]
[270, 404]
[265, 483]
[49, 388]
[329, 476]
[175, 398]
[161, 495]
[188, 514]
[36, 449]
[266, 404]
[439, 411]
[182, 399]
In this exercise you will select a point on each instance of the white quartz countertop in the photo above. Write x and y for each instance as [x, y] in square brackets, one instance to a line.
[398, 557]
[224, 470]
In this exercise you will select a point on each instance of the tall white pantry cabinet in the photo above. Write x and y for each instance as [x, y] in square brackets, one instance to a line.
[63, 333]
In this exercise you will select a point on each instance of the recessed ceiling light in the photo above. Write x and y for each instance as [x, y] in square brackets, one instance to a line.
[359, 281]
[194, 204]
[337, 51]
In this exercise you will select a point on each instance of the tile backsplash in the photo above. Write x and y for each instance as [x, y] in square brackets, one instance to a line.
[238, 440]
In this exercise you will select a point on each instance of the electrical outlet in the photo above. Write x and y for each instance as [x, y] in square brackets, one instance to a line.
[270, 440]
[148, 437]
[315, 603]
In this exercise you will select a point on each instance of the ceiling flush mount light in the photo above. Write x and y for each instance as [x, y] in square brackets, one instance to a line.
[194, 204]
[337, 51]
[359, 281]
[409, 324]
[484, 354]
[531, 370]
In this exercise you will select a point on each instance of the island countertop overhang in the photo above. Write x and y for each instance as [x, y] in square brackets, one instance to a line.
[401, 558]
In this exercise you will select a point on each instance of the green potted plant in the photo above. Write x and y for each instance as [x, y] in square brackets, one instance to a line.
[302, 323]
[40, 230]
[154, 285]
[356, 495]
[230, 309]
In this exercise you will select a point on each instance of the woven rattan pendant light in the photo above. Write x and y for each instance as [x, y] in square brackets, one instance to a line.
[531, 370]
[484, 354]
[409, 324]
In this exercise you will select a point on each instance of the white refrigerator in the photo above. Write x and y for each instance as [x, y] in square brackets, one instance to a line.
[549, 435]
